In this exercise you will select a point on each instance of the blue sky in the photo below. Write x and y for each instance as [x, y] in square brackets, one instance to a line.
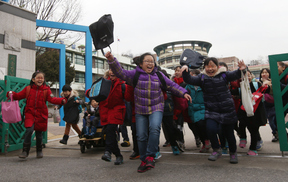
[247, 29]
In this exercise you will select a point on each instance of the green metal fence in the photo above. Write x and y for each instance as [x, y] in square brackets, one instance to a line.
[277, 94]
[12, 135]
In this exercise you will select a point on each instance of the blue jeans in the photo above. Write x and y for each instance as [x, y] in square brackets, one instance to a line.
[227, 130]
[148, 132]
[271, 116]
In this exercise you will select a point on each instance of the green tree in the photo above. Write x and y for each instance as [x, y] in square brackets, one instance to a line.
[48, 63]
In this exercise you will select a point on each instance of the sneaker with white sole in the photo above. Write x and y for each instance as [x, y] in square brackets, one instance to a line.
[259, 145]
[215, 155]
[252, 152]
[158, 155]
[242, 143]
[233, 158]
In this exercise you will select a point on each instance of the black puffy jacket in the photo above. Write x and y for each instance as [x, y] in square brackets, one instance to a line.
[219, 104]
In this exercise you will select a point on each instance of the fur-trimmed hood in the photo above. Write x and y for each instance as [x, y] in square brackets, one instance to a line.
[220, 70]
[73, 93]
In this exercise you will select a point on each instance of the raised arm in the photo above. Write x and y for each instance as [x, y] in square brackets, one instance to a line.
[192, 80]
[118, 70]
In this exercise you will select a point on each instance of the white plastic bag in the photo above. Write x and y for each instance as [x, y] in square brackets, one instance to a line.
[56, 116]
[246, 95]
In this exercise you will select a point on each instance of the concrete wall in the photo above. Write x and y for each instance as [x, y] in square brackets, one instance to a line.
[20, 26]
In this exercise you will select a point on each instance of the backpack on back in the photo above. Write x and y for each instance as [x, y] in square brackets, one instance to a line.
[100, 89]
[191, 58]
[102, 32]
[79, 106]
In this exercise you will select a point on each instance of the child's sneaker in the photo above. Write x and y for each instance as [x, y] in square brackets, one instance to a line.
[233, 158]
[175, 150]
[106, 156]
[119, 160]
[166, 144]
[215, 155]
[207, 144]
[252, 152]
[198, 142]
[142, 168]
[259, 145]
[158, 155]
[203, 149]
[242, 143]
[134, 155]
[125, 144]
[150, 162]
[180, 146]
[224, 150]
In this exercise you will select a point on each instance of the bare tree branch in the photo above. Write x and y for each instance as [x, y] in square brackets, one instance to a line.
[64, 11]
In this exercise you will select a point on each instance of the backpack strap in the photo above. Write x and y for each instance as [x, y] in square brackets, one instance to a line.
[28, 92]
[224, 77]
[123, 87]
[103, 50]
[28, 88]
[160, 76]
[136, 78]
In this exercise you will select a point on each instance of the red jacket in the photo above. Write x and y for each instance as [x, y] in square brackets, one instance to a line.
[36, 110]
[112, 110]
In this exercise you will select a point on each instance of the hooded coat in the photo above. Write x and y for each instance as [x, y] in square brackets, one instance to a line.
[219, 104]
[71, 108]
[36, 111]
[112, 110]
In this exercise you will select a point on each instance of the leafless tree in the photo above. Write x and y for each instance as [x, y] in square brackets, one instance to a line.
[63, 11]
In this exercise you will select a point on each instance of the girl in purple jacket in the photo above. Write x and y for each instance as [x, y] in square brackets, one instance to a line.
[149, 103]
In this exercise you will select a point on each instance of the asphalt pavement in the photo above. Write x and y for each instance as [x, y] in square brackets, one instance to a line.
[67, 163]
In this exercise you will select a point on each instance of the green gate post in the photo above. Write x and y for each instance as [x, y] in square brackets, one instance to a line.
[12, 135]
[277, 94]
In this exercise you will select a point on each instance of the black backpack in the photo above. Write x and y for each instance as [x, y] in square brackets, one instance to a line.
[100, 89]
[191, 58]
[102, 32]
[168, 105]
[128, 114]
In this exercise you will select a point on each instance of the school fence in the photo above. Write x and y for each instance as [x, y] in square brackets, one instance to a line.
[278, 94]
[12, 135]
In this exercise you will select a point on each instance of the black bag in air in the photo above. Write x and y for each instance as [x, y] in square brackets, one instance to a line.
[191, 58]
[102, 32]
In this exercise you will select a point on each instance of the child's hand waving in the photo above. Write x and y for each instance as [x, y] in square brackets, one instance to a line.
[241, 65]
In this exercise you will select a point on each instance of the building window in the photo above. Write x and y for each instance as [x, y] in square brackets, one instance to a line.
[69, 56]
[96, 77]
[99, 64]
[80, 59]
[80, 77]
[132, 67]
[125, 67]
[169, 61]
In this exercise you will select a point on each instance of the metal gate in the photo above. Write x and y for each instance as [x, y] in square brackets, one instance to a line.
[12, 135]
[278, 94]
